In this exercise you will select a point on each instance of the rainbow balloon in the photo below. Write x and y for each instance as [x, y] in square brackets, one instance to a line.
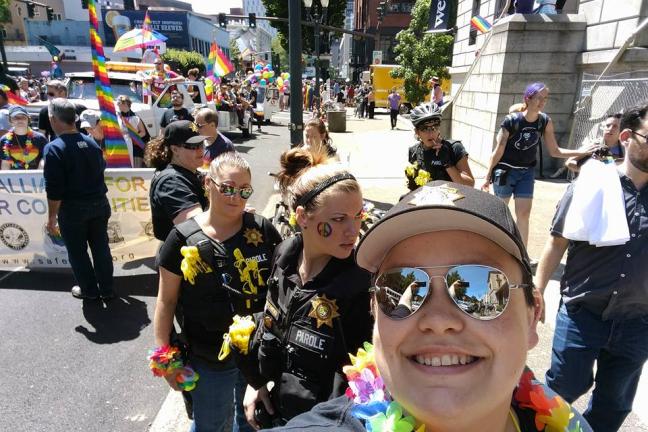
[116, 149]
[479, 23]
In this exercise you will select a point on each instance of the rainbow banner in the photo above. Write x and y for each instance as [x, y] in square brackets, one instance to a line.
[116, 150]
[479, 23]
[133, 134]
[218, 64]
[13, 98]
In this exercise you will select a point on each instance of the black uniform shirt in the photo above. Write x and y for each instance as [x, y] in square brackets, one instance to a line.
[427, 159]
[173, 190]
[610, 281]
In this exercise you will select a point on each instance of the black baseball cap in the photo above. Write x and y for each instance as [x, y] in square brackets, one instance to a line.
[442, 206]
[182, 132]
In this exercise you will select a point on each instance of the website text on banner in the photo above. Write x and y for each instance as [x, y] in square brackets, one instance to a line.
[24, 241]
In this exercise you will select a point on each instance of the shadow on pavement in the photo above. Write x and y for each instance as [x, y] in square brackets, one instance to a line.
[120, 319]
[243, 149]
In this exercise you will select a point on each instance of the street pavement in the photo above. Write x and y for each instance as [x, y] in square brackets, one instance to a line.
[71, 365]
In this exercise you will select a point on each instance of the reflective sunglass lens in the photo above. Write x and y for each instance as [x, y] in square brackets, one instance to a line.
[480, 291]
[401, 292]
[246, 193]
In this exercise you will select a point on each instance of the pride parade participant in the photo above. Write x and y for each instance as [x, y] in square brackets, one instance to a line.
[317, 307]
[432, 157]
[213, 266]
[453, 324]
[21, 147]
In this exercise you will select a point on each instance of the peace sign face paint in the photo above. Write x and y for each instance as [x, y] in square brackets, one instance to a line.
[324, 229]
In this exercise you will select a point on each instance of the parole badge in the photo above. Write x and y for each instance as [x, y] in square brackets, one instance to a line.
[253, 236]
[439, 195]
[323, 310]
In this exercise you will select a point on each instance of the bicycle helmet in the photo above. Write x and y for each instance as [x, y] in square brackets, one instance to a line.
[425, 112]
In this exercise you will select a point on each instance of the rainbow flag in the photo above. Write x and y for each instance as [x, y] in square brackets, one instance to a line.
[133, 134]
[13, 98]
[479, 23]
[218, 64]
[116, 150]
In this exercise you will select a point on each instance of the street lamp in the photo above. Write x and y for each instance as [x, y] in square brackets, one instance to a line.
[317, 19]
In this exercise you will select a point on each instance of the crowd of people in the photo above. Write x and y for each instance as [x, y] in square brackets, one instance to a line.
[326, 330]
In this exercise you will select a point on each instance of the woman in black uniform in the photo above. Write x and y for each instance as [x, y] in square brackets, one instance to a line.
[317, 309]
[440, 159]
[213, 266]
[177, 192]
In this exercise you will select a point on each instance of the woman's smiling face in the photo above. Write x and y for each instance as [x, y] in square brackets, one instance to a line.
[442, 365]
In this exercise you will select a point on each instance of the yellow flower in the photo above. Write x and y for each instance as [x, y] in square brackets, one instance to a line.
[364, 358]
[559, 418]
[238, 336]
[192, 264]
[292, 221]
[410, 170]
[422, 178]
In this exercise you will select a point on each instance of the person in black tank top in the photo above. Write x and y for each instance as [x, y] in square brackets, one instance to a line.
[512, 164]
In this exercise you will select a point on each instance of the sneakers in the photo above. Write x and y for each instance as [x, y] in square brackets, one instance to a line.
[77, 293]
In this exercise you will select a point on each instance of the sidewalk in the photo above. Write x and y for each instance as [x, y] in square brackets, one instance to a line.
[377, 156]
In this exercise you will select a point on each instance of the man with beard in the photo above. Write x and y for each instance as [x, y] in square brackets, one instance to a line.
[176, 112]
[603, 315]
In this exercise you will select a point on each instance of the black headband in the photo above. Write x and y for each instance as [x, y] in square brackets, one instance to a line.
[308, 196]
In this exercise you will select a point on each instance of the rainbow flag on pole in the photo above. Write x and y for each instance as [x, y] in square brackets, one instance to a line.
[479, 23]
[116, 150]
[218, 64]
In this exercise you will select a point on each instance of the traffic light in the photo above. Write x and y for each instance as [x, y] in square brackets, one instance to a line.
[222, 20]
[50, 13]
[382, 10]
[84, 4]
[252, 20]
[31, 10]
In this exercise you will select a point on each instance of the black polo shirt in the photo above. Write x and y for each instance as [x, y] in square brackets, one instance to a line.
[610, 281]
[173, 190]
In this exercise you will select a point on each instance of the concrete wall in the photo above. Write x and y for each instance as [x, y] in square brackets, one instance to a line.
[610, 22]
[523, 49]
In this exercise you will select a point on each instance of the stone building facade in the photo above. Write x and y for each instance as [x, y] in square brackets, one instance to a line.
[555, 49]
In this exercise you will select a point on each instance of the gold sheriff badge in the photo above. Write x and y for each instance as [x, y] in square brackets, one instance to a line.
[323, 310]
[253, 236]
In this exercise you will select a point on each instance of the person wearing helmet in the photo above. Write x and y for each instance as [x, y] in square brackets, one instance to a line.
[432, 157]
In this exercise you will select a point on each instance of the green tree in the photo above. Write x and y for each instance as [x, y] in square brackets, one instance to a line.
[235, 55]
[421, 55]
[5, 12]
[181, 60]
[279, 8]
[279, 50]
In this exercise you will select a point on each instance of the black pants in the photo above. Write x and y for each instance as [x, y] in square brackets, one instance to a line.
[393, 117]
[83, 224]
[371, 106]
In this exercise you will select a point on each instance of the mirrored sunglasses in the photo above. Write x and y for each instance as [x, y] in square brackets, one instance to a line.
[482, 292]
[229, 190]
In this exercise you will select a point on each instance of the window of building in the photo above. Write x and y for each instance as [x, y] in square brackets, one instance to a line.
[472, 35]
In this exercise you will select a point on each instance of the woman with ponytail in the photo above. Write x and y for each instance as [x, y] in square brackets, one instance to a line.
[512, 164]
[317, 309]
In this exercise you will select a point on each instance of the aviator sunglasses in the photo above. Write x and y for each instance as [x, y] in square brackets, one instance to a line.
[229, 190]
[479, 291]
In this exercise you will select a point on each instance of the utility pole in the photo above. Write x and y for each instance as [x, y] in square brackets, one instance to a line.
[295, 51]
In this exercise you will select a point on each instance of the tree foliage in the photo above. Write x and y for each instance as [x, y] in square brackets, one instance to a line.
[279, 8]
[181, 60]
[5, 12]
[235, 55]
[421, 55]
[279, 50]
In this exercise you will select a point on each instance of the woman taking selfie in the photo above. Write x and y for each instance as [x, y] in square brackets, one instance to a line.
[317, 307]
[213, 266]
[453, 324]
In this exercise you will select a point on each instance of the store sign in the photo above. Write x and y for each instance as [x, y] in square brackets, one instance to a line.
[376, 57]
[439, 20]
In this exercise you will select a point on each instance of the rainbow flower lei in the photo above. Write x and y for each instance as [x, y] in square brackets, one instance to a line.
[166, 360]
[374, 406]
[21, 156]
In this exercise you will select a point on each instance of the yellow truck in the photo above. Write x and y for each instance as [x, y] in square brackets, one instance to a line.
[382, 83]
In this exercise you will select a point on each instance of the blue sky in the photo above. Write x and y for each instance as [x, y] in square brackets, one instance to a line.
[213, 7]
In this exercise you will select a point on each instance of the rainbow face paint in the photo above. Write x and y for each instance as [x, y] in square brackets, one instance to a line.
[324, 229]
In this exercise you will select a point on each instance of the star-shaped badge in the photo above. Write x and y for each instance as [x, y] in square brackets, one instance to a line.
[253, 236]
[323, 310]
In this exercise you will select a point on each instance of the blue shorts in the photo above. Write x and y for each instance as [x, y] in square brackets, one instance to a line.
[519, 182]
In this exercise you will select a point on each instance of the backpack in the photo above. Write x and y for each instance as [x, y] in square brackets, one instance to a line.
[516, 118]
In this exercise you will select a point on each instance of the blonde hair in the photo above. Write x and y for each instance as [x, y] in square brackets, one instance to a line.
[302, 170]
[230, 159]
